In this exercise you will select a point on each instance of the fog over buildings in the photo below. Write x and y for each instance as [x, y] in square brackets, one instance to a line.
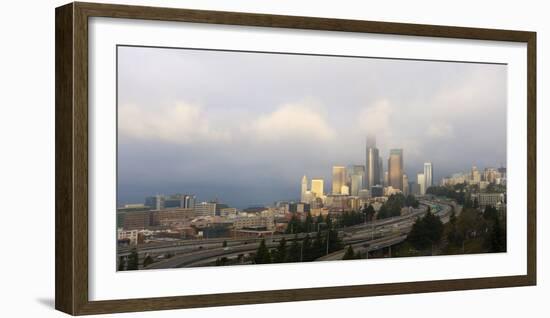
[246, 127]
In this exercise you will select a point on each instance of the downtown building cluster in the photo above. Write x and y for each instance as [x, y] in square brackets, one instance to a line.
[354, 186]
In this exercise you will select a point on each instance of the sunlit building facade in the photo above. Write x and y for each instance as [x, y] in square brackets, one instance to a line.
[338, 179]
[317, 187]
[395, 169]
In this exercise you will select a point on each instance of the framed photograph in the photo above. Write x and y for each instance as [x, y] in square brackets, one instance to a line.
[210, 158]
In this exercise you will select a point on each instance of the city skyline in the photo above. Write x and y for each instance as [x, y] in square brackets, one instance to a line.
[246, 143]
[315, 186]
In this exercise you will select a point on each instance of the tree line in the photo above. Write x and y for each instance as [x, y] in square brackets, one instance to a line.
[392, 207]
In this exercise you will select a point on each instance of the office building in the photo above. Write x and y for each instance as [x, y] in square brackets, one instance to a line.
[338, 179]
[155, 202]
[381, 171]
[491, 175]
[372, 162]
[475, 175]
[228, 211]
[364, 194]
[136, 220]
[130, 235]
[360, 170]
[304, 189]
[490, 199]
[377, 191]
[421, 181]
[405, 185]
[189, 201]
[395, 169]
[414, 188]
[344, 190]
[171, 216]
[205, 209]
[356, 184]
[299, 207]
[317, 187]
[428, 175]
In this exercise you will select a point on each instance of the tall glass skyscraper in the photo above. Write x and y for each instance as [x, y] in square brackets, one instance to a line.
[395, 169]
[428, 175]
[372, 162]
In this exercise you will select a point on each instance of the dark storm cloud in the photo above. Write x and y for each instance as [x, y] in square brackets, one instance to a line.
[245, 127]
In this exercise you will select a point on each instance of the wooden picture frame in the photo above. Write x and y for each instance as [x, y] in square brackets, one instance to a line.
[71, 90]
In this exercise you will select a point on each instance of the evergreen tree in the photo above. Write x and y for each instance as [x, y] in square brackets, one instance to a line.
[334, 242]
[319, 219]
[426, 231]
[294, 225]
[453, 236]
[121, 263]
[263, 256]
[132, 260]
[307, 254]
[222, 261]
[490, 213]
[328, 221]
[497, 238]
[369, 212]
[468, 204]
[281, 252]
[411, 201]
[147, 261]
[308, 224]
[383, 212]
[318, 245]
[294, 250]
[350, 254]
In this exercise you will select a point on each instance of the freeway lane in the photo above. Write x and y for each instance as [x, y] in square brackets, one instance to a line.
[387, 231]
[403, 227]
[192, 245]
[360, 247]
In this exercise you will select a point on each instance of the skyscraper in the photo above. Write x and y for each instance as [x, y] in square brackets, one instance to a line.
[317, 187]
[357, 179]
[304, 189]
[475, 175]
[358, 169]
[395, 169]
[356, 184]
[428, 175]
[338, 179]
[421, 183]
[381, 170]
[155, 202]
[189, 201]
[372, 163]
[405, 185]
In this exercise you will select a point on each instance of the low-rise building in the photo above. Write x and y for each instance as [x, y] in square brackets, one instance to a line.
[491, 199]
[254, 222]
[135, 220]
[168, 217]
[228, 211]
[130, 235]
[205, 209]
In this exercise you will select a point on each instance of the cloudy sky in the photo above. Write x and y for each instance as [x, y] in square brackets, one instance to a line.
[244, 128]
